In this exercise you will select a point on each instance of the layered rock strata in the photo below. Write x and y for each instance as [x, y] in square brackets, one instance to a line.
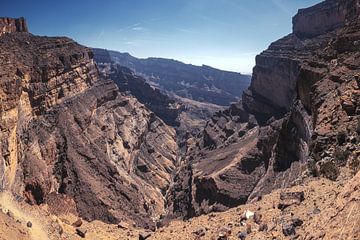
[67, 133]
[299, 117]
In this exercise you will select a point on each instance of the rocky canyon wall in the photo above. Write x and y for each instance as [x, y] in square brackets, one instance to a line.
[324, 17]
[70, 138]
[299, 118]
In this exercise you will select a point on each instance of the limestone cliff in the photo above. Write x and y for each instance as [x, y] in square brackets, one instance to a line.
[68, 133]
[11, 25]
[324, 17]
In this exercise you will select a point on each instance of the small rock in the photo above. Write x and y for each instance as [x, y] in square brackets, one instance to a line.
[199, 232]
[289, 198]
[224, 233]
[248, 229]
[230, 224]
[288, 230]
[299, 196]
[77, 223]
[81, 232]
[297, 222]
[10, 214]
[29, 224]
[222, 236]
[353, 139]
[242, 235]
[257, 218]
[123, 225]
[247, 215]
[143, 236]
[316, 211]
[59, 229]
[263, 227]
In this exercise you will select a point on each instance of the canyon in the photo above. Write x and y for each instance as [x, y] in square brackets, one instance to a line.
[90, 149]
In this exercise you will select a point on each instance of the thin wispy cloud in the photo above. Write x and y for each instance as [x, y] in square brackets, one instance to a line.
[280, 4]
[100, 35]
[138, 29]
[133, 43]
[130, 27]
[186, 30]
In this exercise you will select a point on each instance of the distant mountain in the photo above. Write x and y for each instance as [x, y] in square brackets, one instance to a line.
[202, 84]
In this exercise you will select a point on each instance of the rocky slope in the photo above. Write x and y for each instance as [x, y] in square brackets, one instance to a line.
[202, 84]
[299, 118]
[163, 106]
[328, 210]
[72, 140]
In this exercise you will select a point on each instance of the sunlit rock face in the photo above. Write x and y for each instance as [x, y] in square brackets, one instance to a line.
[325, 16]
[11, 25]
[65, 131]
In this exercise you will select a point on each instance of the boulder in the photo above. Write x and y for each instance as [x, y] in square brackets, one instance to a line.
[81, 232]
[144, 235]
[290, 198]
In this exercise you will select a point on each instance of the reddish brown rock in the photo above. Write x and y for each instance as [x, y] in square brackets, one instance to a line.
[11, 25]
[66, 131]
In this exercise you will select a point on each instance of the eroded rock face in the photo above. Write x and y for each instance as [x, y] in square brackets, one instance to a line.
[302, 99]
[10, 25]
[66, 131]
[324, 17]
[163, 106]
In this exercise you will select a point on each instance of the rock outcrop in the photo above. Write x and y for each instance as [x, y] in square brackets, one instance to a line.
[299, 117]
[11, 25]
[163, 106]
[68, 133]
[324, 17]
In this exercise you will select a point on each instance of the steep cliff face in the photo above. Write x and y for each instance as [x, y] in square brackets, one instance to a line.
[67, 133]
[299, 117]
[163, 106]
[11, 25]
[324, 17]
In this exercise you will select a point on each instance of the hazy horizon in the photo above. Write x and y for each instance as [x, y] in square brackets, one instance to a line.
[225, 34]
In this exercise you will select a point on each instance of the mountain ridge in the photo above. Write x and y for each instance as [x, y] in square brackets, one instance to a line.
[182, 79]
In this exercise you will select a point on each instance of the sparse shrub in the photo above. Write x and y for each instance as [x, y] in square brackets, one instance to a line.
[317, 157]
[329, 170]
[312, 168]
[355, 165]
[341, 138]
[341, 156]
[358, 126]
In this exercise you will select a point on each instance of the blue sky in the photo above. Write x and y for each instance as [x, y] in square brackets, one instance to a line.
[226, 34]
